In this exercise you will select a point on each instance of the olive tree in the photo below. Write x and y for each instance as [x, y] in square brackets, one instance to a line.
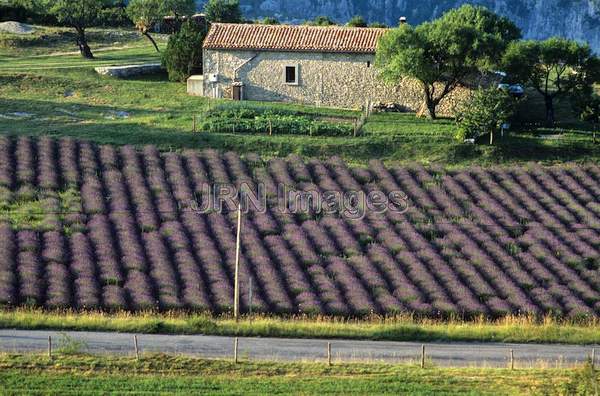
[555, 68]
[445, 53]
[145, 14]
[79, 14]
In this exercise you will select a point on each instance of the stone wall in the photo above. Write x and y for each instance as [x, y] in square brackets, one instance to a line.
[129, 70]
[325, 79]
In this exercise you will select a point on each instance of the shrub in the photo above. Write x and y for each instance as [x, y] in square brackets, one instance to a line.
[202, 324]
[483, 113]
[269, 21]
[68, 345]
[321, 21]
[183, 56]
[588, 109]
[357, 21]
[583, 382]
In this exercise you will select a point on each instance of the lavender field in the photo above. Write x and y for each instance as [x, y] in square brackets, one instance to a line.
[116, 228]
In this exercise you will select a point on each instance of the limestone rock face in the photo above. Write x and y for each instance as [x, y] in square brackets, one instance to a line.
[575, 19]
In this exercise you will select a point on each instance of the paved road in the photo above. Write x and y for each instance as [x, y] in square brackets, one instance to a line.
[443, 354]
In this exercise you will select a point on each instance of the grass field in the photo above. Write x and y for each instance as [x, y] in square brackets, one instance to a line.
[508, 329]
[167, 374]
[46, 42]
[42, 93]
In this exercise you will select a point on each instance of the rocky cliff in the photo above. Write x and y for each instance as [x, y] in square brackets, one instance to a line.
[576, 19]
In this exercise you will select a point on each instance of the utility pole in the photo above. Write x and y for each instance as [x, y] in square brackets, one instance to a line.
[250, 296]
[236, 287]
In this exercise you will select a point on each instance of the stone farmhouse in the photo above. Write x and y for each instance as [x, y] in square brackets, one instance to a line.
[324, 66]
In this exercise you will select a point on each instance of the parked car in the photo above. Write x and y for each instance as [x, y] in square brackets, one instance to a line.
[515, 90]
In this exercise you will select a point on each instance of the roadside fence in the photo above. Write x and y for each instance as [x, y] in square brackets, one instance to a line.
[333, 352]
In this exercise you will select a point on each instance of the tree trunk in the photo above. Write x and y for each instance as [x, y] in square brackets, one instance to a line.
[84, 48]
[431, 108]
[151, 40]
[549, 110]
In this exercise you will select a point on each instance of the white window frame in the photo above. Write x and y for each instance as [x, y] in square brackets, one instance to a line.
[297, 74]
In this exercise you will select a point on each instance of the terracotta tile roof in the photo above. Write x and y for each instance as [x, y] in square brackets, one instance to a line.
[292, 38]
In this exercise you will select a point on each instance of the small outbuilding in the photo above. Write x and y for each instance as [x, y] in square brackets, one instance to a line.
[329, 66]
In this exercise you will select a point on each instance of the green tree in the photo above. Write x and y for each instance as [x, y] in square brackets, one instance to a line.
[30, 11]
[586, 104]
[447, 52]
[115, 15]
[321, 21]
[590, 111]
[145, 14]
[555, 68]
[79, 14]
[269, 21]
[225, 11]
[183, 55]
[178, 8]
[378, 25]
[484, 113]
[357, 21]
[33, 6]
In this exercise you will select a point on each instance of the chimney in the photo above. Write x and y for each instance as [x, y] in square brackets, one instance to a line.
[402, 20]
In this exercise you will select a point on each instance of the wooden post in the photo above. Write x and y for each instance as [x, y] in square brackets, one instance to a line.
[491, 138]
[355, 127]
[329, 353]
[235, 350]
[236, 288]
[512, 359]
[135, 345]
[593, 358]
[270, 127]
[194, 123]
[423, 356]
[50, 347]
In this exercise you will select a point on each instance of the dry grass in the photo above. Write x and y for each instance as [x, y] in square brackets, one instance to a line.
[520, 329]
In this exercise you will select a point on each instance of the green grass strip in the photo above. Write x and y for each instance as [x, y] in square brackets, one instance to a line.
[162, 374]
[399, 328]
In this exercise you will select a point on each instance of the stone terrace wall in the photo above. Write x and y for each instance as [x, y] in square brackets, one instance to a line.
[327, 79]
